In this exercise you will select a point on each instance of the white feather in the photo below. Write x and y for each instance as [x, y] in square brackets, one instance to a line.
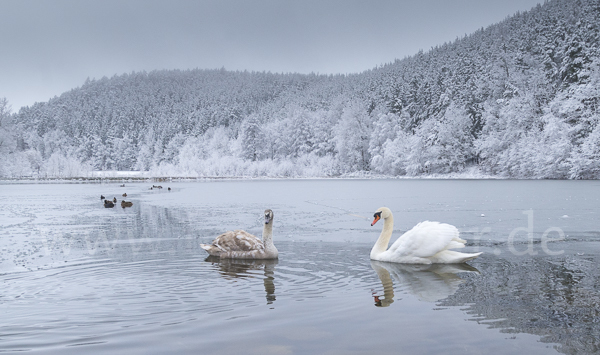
[426, 243]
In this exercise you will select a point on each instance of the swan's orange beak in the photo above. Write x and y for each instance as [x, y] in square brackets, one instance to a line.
[377, 218]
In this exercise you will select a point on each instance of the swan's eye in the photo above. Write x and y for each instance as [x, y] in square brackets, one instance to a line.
[377, 214]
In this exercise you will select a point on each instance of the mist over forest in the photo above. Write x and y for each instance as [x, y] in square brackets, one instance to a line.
[518, 99]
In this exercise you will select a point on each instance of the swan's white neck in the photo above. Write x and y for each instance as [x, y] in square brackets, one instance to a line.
[267, 237]
[384, 238]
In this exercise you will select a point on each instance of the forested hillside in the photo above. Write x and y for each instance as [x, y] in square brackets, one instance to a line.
[520, 98]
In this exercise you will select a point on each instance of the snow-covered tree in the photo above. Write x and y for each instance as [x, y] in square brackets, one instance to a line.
[251, 138]
[7, 128]
[352, 137]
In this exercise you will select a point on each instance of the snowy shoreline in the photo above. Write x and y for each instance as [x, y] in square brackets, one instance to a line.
[148, 176]
[137, 177]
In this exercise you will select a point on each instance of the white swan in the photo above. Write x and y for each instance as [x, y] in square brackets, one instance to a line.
[426, 243]
[239, 244]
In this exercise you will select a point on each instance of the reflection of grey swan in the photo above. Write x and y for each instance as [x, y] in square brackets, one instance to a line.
[429, 283]
[426, 243]
[240, 268]
[239, 244]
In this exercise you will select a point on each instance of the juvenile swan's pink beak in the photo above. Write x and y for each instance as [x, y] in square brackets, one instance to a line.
[377, 218]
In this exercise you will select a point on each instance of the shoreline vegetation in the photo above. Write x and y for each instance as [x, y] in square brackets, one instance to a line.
[145, 176]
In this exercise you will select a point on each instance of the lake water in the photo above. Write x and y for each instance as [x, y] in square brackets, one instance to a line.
[76, 277]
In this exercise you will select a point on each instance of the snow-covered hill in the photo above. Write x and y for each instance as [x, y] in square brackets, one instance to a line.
[520, 98]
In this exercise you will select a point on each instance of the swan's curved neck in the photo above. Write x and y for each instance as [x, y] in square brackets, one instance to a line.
[267, 236]
[384, 238]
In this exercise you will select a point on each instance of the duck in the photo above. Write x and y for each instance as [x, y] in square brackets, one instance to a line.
[426, 243]
[114, 199]
[126, 203]
[108, 204]
[239, 244]
[125, 194]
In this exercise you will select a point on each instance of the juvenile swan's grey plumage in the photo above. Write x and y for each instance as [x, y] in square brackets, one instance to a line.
[239, 244]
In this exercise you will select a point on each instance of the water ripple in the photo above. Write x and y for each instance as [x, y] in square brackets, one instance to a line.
[79, 278]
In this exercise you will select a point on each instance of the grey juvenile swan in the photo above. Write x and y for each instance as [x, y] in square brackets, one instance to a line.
[239, 244]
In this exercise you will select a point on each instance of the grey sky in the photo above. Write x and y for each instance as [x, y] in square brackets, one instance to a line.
[52, 46]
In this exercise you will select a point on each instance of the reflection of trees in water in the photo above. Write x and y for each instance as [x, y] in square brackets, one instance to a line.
[428, 283]
[241, 268]
[140, 230]
[556, 299]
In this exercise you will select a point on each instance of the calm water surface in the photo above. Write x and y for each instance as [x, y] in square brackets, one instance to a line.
[76, 277]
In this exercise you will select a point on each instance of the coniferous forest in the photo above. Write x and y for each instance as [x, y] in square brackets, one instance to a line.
[518, 99]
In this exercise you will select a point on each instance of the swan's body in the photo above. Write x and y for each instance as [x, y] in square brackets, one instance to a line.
[239, 244]
[426, 243]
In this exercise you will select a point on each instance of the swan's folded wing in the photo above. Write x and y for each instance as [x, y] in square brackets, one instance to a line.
[237, 240]
[427, 239]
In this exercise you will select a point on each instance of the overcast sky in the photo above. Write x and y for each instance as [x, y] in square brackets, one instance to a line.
[51, 46]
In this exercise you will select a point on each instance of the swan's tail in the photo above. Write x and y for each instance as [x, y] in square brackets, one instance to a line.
[453, 257]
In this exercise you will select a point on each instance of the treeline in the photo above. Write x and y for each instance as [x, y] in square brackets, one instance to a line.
[517, 99]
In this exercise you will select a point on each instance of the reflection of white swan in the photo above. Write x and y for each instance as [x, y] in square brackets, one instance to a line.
[239, 244]
[429, 283]
[426, 243]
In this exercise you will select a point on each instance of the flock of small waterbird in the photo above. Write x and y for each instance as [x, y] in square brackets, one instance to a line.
[124, 204]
